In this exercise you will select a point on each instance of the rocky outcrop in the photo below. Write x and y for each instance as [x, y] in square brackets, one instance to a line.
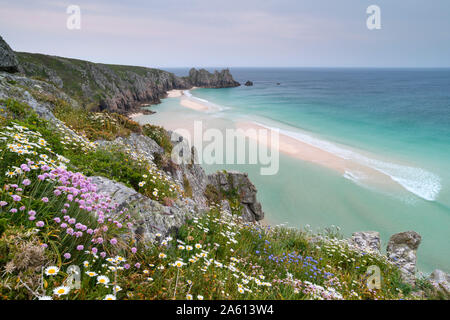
[237, 184]
[205, 79]
[8, 60]
[368, 241]
[249, 83]
[440, 280]
[401, 251]
[151, 216]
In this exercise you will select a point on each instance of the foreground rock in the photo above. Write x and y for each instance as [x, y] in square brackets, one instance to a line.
[151, 216]
[238, 184]
[440, 280]
[205, 79]
[368, 241]
[8, 59]
[401, 250]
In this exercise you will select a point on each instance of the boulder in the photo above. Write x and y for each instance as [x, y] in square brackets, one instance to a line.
[236, 182]
[8, 59]
[249, 83]
[440, 279]
[368, 241]
[151, 216]
[401, 251]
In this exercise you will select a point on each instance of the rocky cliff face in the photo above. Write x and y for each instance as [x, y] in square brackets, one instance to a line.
[205, 79]
[98, 87]
[8, 60]
[237, 184]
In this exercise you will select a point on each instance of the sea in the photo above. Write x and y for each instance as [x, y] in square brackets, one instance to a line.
[394, 121]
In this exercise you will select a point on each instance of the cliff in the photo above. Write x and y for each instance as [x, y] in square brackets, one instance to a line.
[115, 88]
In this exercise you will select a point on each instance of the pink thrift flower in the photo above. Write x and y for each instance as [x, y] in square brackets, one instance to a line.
[40, 224]
[80, 247]
[67, 255]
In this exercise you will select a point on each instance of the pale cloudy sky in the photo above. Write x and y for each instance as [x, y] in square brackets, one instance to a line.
[231, 33]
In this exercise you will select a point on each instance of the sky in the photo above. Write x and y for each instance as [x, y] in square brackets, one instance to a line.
[234, 33]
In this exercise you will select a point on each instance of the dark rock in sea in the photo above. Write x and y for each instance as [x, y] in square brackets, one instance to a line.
[249, 83]
[8, 59]
[278, 83]
[401, 251]
[206, 79]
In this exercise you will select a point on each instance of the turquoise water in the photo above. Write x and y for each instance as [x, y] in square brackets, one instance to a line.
[395, 121]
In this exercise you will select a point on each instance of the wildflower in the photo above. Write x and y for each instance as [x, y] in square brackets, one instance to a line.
[110, 297]
[241, 290]
[26, 182]
[199, 297]
[141, 184]
[67, 255]
[133, 250]
[117, 289]
[162, 255]
[80, 247]
[51, 271]
[178, 263]
[198, 246]
[44, 199]
[113, 241]
[16, 197]
[103, 280]
[40, 224]
[189, 296]
[61, 290]
[3, 203]
[91, 273]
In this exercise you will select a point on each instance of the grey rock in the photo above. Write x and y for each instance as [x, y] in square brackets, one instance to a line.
[151, 216]
[440, 279]
[368, 241]
[240, 183]
[145, 146]
[249, 83]
[8, 59]
[203, 78]
[401, 250]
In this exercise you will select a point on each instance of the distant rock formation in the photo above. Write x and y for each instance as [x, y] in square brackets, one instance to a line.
[238, 182]
[206, 79]
[249, 83]
[8, 60]
[401, 250]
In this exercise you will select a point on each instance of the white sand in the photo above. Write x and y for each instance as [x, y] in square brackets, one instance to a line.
[174, 93]
[135, 115]
[307, 152]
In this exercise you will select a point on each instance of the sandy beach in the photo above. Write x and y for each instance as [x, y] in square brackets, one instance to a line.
[306, 152]
[135, 115]
[174, 93]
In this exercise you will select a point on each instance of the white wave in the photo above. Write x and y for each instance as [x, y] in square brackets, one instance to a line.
[187, 93]
[418, 181]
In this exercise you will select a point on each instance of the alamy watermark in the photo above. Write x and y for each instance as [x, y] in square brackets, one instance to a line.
[74, 19]
[374, 20]
[258, 146]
